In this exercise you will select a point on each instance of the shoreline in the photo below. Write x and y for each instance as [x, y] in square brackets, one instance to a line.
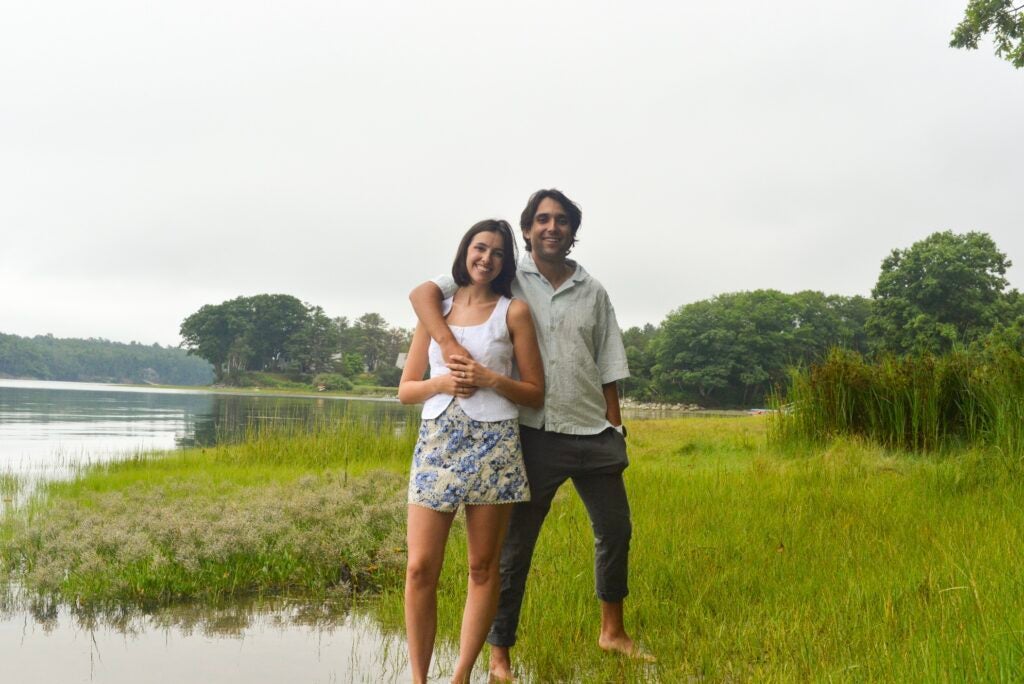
[221, 389]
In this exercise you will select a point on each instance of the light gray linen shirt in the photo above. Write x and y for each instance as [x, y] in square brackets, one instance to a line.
[580, 344]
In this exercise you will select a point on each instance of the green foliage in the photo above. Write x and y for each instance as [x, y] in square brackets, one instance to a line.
[45, 357]
[281, 381]
[972, 397]
[640, 356]
[945, 290]
[332, 381]
[731, 349]
[278, 333]
[379, 344]
[1001, 18]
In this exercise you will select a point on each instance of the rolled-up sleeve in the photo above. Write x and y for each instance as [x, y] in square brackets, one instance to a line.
[610, 352]
[447, 285]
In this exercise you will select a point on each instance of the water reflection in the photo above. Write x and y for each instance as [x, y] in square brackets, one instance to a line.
[48, 428]
[256, 641]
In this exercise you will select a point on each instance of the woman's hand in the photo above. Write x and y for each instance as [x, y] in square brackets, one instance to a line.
[450, 384]
[469, 373]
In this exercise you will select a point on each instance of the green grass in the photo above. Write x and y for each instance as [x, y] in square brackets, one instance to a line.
[750, 562]
[318, 513]
[284, 386]
[10, 485]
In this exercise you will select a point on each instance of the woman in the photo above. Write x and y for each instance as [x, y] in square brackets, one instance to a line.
[468, 449]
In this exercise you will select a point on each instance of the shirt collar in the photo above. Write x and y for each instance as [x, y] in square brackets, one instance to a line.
[527, 265]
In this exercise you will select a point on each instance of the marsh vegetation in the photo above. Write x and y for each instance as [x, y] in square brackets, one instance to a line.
[752, 560]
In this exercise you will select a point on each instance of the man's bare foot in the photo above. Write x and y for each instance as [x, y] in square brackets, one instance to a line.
[500, 668]
[623, 645]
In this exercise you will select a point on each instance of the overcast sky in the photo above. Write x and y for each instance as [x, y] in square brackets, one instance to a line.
[158, 156]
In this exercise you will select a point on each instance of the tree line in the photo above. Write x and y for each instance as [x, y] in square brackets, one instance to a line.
[278, 333]
[948, 290]
[45, 357]
[731, 350]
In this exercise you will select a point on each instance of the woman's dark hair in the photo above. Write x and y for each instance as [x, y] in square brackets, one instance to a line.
[502, 283]
[572, 212]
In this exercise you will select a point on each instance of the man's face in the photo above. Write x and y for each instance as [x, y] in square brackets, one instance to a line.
[550, 235]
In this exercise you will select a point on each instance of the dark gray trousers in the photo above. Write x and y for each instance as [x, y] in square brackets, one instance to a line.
[594, 463]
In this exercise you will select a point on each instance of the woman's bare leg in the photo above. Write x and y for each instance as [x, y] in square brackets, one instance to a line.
[427, 534]
[485, 529]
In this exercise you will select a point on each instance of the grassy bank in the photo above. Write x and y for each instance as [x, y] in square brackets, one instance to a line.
[283, 511]
[841, 562]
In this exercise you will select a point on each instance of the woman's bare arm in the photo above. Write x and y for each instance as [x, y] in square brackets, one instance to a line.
[413, 388]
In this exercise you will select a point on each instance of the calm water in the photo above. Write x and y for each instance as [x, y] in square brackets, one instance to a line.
[48, 427]
[244, 643]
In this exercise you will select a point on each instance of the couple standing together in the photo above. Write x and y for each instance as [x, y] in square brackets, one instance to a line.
[521, 396]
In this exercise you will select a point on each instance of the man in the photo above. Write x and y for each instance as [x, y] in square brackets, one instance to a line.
[578, 433]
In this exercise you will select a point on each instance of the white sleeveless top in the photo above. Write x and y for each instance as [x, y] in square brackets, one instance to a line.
[490, 344]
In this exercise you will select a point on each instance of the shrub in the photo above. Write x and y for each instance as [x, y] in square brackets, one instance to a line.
[332, 381]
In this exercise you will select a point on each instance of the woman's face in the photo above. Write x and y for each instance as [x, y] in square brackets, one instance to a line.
[485, 256]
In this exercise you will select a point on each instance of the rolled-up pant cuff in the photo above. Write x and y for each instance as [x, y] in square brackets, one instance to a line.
[617, 597]
[501, 642]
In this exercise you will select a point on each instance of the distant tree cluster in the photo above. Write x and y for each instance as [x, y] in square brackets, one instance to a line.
[731, 349]
[945, 291]
[279, 333]
[45, 357]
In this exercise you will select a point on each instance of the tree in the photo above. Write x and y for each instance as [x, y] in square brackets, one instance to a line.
[1004, 19]
[640, 356]
[276, 319]
[944, 290]
[731, 349]
[312, 348]
[48, 358]
[216, 333]
[372, 340]
[245, 333]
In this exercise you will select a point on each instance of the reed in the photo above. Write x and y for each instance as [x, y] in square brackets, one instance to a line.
[964, 399]
[10, 485]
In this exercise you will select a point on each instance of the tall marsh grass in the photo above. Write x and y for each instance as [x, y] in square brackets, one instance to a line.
[966, 398]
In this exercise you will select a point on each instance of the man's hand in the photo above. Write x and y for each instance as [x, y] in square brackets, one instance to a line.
[426, 302]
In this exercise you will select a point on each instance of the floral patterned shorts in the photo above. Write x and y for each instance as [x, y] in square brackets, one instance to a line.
[459, 460]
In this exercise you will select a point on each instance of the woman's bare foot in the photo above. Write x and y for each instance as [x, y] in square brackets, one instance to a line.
[500, 668]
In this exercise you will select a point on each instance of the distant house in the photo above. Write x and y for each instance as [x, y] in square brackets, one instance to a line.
[400, 360]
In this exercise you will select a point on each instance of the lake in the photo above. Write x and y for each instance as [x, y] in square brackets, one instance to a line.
[48, 429]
